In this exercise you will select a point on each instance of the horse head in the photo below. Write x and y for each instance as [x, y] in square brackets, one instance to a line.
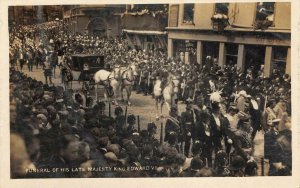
[133, 67]
[116, 72]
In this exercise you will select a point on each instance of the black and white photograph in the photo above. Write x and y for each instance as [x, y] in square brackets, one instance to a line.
[158, 90]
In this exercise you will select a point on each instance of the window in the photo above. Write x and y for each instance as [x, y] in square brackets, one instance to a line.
[231, 54]
[264, 15]
[221, 8]
[279, 59]
[188, 13]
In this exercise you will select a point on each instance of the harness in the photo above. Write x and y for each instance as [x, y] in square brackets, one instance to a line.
[126, 78]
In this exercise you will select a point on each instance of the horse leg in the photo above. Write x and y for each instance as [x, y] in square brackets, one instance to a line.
[156, 107]
[122, 95]
[161, 108]
[128, 91]
[116, 96]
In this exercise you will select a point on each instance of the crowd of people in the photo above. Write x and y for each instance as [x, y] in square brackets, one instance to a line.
[225, 108]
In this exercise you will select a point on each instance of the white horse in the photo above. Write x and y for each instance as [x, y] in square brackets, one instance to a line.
[108, 80]
[128, 76]
[167, 96]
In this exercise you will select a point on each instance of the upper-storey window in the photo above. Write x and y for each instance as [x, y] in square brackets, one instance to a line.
[221, 8]
[264, 15]
[188, 13]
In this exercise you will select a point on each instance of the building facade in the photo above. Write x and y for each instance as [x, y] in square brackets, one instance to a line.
[144, 26]
[26, 15]
[98, 20]
[243, 34]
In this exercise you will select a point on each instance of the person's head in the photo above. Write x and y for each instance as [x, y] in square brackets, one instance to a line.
[131, 120]
[197, 148]
[118, 111]
[84, 151]
[251, 168]
[237, 166]
[196, 163]
[232, 110]
[174, 111]
[151, 128]
[221, 158]
[245, 125]
[69, 147]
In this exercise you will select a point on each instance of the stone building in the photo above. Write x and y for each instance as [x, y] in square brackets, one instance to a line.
[100, 20]
[242, 34]
[144, 26]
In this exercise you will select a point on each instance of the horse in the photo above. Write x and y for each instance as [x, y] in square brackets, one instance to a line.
[168, 95]
[110, 81]
[128, 75]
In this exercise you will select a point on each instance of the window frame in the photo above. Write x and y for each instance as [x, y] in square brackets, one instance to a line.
[193, 20]
[274, 12]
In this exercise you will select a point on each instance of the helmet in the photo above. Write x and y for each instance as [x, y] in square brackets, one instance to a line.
[221, 157]
[131, 118]
[118, 110]
[151, 126]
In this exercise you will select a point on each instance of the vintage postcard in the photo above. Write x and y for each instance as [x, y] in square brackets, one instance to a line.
[147, 94]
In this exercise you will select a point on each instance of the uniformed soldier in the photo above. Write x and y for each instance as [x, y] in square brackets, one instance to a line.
[120, 121]
[221, 162]
[173, 124]
[131, 121]
[188, 127]
[48, 70]
[270, 146]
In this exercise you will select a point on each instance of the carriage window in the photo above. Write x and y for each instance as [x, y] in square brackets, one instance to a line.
[188, 13]
[264, 15]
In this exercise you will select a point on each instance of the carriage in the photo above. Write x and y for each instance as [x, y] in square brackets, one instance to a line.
[81, 68]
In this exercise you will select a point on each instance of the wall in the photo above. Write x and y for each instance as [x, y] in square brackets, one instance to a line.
[282, 17]
[203, 14]
[144, 22]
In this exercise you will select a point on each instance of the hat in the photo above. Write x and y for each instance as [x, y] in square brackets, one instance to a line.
[118, 110]
[151, 126]
[115, 148]
[197, 163]
[221, 157]
[131, 118]
[110, 156]
[237, 163]
[42, 117]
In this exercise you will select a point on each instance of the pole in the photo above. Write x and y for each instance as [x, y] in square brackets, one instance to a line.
[140, 78]
[125, 116]
[262, 166]
[265, 105]
[109, 109]
[161, 133]
[139, 126]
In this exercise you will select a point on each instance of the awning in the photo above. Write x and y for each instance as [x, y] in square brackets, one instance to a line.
[143, 32]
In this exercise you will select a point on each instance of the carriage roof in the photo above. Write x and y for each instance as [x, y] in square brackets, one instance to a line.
[87, 55]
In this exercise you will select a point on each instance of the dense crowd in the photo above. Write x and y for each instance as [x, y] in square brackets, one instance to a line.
[213, 137]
